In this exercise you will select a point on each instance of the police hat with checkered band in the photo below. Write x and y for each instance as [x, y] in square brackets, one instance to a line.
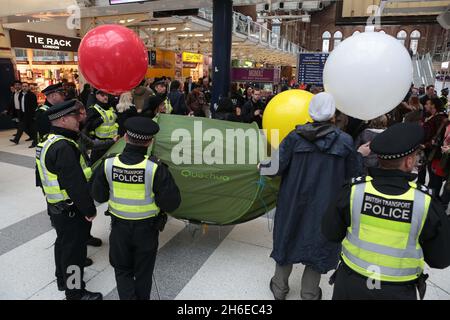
[63, 109]
[398, 141]
[53, 88]
[141, 128]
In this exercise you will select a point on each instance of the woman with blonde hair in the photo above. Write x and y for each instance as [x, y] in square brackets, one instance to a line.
[125, 109]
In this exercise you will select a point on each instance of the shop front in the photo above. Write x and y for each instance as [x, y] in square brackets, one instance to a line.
[177, 65]
[44, 59]
[161, 64]
[193, 65]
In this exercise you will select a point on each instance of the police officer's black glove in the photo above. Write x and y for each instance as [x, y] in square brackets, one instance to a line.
[162, 220]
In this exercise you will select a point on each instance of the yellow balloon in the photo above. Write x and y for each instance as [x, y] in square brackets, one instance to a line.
[285, 111]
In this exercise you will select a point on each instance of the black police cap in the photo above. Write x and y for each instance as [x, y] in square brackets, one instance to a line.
[53, 88]
[62, 109]
[141, 128]
[99, 91]
[398, 141]
[159, 81]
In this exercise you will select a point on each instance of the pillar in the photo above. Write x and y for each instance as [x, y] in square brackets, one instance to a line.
[222, 29]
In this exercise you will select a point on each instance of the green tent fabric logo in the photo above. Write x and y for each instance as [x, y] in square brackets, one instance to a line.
[200, 175]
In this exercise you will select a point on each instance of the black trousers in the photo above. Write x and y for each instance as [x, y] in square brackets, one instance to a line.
[132, 253]
[26, 126]
[351, 286]
[70, 251]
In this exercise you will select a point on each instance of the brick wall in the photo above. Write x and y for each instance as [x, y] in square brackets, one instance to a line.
[309, 35]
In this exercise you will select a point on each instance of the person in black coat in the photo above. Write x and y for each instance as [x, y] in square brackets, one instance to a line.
[153, 106]
[134, 241]
[226, 110]
[177, 98]
[54, 95]
[95, 120]
[188, 86]
[237, 99]
[313, 161]
[72, 217]
[85, 94]
[253, 110]
[28, 106]
[14, 105]
[396, 148]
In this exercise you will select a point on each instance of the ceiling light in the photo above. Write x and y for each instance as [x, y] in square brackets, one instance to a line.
[198, 35]
[162, 29]
[171, 28]
[154, 29]
[187, 28]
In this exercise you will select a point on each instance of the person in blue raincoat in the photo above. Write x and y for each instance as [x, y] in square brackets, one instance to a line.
[314, 160]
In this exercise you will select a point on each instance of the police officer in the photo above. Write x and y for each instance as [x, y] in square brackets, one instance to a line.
[389, 226]
[161, 91]
[54, 95]
[101, 123]
[138, 189]
[62, 173]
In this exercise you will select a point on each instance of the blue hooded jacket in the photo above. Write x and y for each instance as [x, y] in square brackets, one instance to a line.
[314, 161]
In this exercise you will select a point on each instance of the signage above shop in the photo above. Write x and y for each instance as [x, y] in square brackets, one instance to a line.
[33, 40]
[192, 57]
[189, 65]
[253, 75]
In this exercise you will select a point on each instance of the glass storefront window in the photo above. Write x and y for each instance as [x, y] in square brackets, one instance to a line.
[21, 54]
[48, 56]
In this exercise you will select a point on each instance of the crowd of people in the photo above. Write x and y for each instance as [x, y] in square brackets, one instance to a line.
[245, 103]
[315, 214]
[425, 107]
[349, 201]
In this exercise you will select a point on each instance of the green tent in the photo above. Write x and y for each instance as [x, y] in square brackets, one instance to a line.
[214, 164]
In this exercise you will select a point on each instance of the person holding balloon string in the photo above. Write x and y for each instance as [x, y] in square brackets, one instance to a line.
[101, 123]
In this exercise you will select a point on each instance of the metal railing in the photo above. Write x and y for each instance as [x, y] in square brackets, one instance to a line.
[255, 32]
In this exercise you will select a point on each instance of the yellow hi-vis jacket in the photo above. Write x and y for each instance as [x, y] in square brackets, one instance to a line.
[49, 180]
[109, 128]
[382, 241]
[131, 194]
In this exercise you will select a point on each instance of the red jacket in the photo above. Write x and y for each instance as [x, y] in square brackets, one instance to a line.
[431, 126]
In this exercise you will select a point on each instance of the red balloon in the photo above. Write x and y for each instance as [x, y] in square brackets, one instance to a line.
[113, 58]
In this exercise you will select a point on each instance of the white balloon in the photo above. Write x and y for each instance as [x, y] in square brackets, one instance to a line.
[368, 74]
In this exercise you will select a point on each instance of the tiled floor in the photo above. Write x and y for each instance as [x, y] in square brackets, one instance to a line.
[193, 263]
